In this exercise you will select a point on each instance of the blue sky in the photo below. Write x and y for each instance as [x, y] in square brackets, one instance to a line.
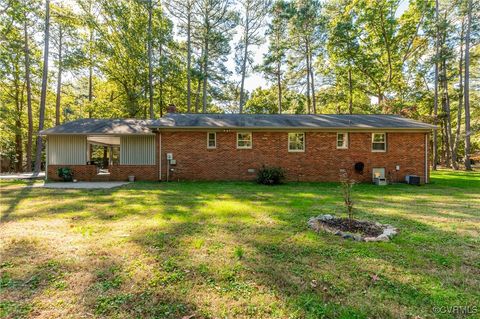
[256, 80]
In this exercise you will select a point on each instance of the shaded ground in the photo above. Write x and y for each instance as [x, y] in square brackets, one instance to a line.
[158, 250]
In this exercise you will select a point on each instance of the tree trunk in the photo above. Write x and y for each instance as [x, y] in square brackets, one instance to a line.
[380, 98]
[450, 157]
[150, 67]
[279, 85]
[435, 99]
[29, 96]
[308, 79]
[43, 95]
[160, 91]
[18, 145]
[90, 75]
[468, 165]
[312, 81]
[18, 124]
[244, 69]
[189, 60]
[105, 157]
[59, 77]
[460, 97]
[197, 96]
[447, 118]
[205, 77]
[350, 92]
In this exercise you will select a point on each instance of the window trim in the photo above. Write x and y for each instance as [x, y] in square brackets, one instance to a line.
[384, 142]
[208, 140]
[296, 151]
[345, 136]
[251, 141]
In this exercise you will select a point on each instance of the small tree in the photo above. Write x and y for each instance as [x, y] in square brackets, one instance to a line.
[347, 185]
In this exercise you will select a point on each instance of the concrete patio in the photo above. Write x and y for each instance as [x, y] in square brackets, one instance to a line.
[84, 185]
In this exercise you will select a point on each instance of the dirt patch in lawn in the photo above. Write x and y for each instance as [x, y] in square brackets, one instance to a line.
[360, 230]
[365, 228]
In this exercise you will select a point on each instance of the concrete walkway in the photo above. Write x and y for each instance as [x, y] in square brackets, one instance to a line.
[40, 175]
[84, 185]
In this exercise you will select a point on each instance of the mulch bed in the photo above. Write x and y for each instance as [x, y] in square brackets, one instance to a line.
[355, 226]
[359, 230]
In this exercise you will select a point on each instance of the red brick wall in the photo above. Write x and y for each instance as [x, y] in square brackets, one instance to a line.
[321, 160]
[80, 172]
[141, 172]
[117, 172]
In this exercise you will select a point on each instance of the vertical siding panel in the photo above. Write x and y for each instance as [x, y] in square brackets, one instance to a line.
[137, 150]
[67, 150]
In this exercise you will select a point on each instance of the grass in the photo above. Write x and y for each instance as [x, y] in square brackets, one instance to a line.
[237, 250]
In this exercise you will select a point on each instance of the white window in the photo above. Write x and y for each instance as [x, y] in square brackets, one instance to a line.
[211, 140]
[296, 142]
[342, 140]
[244, 140]
[379, 142]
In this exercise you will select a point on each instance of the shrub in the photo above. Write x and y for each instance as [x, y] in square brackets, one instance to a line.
[270, 175]
[65, 173]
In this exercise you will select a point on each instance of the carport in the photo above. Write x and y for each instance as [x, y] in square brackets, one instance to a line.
[102, 150]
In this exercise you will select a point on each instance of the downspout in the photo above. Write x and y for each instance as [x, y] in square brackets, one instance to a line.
[426, 158]
[159, 156]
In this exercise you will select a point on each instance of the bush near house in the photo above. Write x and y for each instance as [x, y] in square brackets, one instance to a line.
[270, 175]
[65, 173]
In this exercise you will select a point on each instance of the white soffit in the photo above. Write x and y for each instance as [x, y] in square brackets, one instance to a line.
[104, 140]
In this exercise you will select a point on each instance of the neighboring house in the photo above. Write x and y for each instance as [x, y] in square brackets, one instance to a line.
[235, 146]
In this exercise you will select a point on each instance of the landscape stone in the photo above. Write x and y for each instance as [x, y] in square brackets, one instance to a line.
[317, 224]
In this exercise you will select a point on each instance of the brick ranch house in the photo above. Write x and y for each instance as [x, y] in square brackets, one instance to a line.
[234, 146]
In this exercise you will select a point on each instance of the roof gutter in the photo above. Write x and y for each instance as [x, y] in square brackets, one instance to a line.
[254, 128]
[43, 133]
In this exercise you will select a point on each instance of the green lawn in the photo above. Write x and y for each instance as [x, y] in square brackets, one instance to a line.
[237, 250]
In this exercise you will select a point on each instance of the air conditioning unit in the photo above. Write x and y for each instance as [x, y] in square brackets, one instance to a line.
[412, 179]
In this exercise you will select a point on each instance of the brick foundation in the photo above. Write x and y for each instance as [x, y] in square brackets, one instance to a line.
[80, 172]
[117, 172]
[321, 160]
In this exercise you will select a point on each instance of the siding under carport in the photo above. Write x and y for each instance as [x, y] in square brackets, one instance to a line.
[67, 150]
[137, 150]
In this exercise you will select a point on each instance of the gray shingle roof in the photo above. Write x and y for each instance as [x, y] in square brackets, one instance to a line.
[237, 121]
[101, 127]
[280, 121]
